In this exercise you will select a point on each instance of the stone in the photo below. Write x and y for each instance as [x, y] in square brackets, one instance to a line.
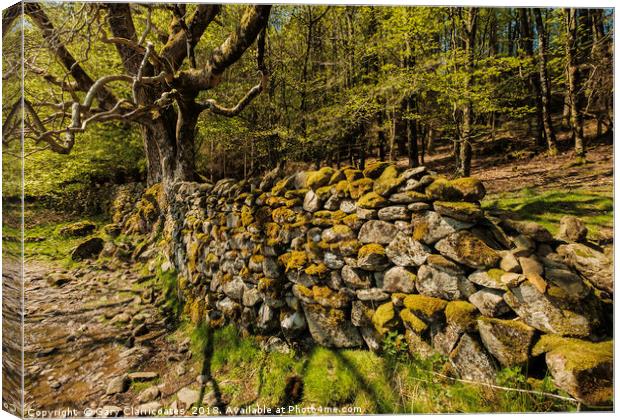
[581, 368]
[591, 264]
[372, 295]
[149, 394]
[361, 315]
[366, 214]
[58, 279]
[531, 229]
[508, 341]
[399, 279]
[427, 308]
[470, 189]
[377, 231]
[467, 249]
[572, 229]
[333, 261]
[337, 233]
[348, 206]
[568, 281]
[234, 288]
[87, 249]
[411, 173]
[188, 397]
[294, 323]
[371, 200]
[408, 197]
[117, 385]
[488, 278]
[512, 279]
[471, 361]
[459, 210]
[371, 257]
[251, 296]
[271, 269]
[404, 251]
[312, 203]
[330, 327]
[332, 203]
[83, 228]
[418, 207]
[530, 265]
[490, 302]
[143, 376]
[388, 181]
[540, 312]
[355, 278]
[391, 213]
[509, 263]
[443, 279]
[429, 227]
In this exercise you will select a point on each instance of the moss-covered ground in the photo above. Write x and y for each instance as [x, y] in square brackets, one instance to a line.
[594, 207]
[351, 381]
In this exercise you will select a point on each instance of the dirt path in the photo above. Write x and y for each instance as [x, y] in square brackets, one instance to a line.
[89, 329]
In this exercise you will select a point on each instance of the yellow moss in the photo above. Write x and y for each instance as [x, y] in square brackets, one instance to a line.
[283, 215]
[384, 318]
[372, 200]
[245, 273]
[579, 354]
[294, 260]
[257, 259]
[496, 274]
[341, 189]
[461, 313]
[388, 181]
[342, 230]
[442, 189]
[324, 192]
[292, 194]
[360, 187]
[351, 221]
[275, 201]
[375, 169]
[337, 177]
[352, 174]
[469, 188]
[246, 216]
[304, 291]
[425, 306]
[211, 258]
[328, 218]
[327, 297]
[318, 270]
[413, 322]
[320, 178]
[196, 311]
[368, 249]
[420, 229]
[266, 284]
[282, 185]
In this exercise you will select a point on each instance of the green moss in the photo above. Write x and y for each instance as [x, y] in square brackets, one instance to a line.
[368, 249]
[496, 274]
[470, 189]
[413, 322]
[375, 169]
[324, 192]
[299, 194]
[388, 181]
[352, 221]
[579, 354]
[384, 319]
[320, 178]
[246, 216]
[461, 313]
[337, 177]
[442, 189]
[372, 200]
[360, 187]
[281, 186]
[341, 189]
[352, 174]
[424, 306]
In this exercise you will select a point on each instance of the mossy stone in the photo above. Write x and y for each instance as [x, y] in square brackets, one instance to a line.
[283, 215]
[337, 177]
[471, 189]
[384, 319]
[375, 169]
[320, 178]
[461, 313]
[411, 321]
[352, 174]
[426, 307]
[360, 187]
[371, 200]
[442, 189]
[388, 181]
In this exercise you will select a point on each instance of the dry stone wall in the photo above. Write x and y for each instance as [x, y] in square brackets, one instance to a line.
[344, 257]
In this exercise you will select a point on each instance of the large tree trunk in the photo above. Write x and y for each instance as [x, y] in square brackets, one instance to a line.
[574, 83]
[545, 86]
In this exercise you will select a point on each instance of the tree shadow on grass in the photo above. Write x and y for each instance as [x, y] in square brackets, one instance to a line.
[207, 353]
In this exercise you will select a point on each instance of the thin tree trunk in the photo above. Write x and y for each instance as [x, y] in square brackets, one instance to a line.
[574, 83]
[545, 86]
[465, 150]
